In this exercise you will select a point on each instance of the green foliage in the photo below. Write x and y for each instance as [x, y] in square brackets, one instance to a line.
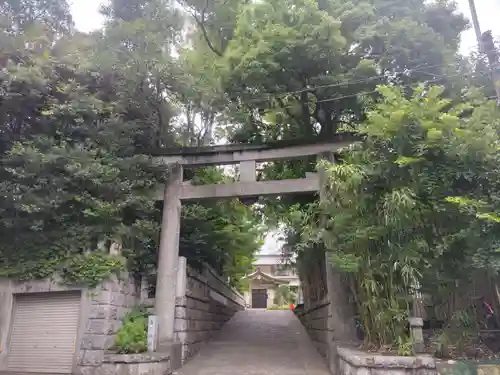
[80, 113]
[308, 69]
[88, 269]
[414, 204]
[24, 15]
[284, 296]
[228, 228]
[65, 185]
[281, 62]
[244, 284]
[133, 336]
[405, 346]
[91, 269]
[458, 334]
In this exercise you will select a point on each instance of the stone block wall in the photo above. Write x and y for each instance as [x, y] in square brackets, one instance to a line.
[342, 360]
[135, 364]
[353, 362]
[101, 313]
[106, 307]
[315, 320]
[204, 303]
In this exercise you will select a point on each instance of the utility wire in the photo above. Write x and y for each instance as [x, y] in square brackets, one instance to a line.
[402, 86]
[361, 80]
[347, 83]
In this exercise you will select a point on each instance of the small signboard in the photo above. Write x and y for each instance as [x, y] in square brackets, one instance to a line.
[152, 332]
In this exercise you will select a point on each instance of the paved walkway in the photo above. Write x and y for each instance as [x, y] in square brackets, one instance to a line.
[258, 342]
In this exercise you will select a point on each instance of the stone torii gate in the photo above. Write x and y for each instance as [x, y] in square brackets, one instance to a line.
[177, 191]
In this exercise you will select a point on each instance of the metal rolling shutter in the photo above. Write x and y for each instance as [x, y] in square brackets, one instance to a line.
[43, 334]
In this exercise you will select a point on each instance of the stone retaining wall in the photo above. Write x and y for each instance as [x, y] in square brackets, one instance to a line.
[108, 304]
[315, 319]
[204, 303]
[100, 315]
[135, 364]
[354, 362]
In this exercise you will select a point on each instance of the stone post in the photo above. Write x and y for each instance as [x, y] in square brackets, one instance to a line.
[181, 287]
[416, 326]
[168, 259]
[144, 293]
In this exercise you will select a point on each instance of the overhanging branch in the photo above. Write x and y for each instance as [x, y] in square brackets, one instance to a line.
[201, 24]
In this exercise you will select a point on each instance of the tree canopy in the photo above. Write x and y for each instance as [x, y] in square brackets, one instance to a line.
[79, 113]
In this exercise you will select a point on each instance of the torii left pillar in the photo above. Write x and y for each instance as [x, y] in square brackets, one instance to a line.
[168, 260]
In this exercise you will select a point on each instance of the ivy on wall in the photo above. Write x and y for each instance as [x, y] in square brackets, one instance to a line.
[88, 270]
[92, 269]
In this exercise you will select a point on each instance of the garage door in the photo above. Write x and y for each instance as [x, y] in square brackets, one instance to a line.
[43, 334]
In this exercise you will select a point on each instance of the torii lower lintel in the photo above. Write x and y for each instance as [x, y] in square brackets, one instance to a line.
[244, 189]
[251, 189]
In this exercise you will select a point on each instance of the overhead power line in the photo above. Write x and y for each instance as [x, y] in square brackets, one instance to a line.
[361, 93]
[402, 86]
[364, 80]
[350, 82]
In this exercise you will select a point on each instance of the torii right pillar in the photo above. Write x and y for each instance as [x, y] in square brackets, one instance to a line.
[341, 325]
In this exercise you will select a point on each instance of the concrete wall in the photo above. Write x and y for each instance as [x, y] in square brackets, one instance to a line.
[100, 315]
[315, 320]
[204, 303]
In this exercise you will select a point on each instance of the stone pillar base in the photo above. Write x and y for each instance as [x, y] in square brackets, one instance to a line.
[174, 351]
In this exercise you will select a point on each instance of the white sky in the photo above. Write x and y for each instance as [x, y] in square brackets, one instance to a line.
[86, 14]
[87, 18]
[272, 243]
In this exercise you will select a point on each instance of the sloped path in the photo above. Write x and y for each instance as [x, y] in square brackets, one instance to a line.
[258, 342]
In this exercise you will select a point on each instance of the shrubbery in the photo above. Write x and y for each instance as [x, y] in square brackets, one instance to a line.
[133, 336]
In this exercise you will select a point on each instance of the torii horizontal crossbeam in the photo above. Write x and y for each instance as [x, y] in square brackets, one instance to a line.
[248, 189]
[237, 153]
